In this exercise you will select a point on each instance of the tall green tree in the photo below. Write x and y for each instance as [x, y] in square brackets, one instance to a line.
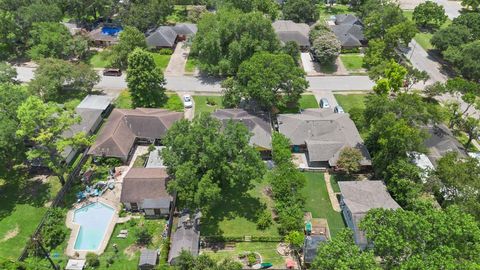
[393, 79]
[145, 81]
[471, 20]
[129, 39]
[227, 38]
[424, 238]
[472, 4]
[44, 124]
[342, 253]
[272, 80]
[349, 160]
[145, 14]
[429, 14]
[268, 7]
[56, 80]
[209, 161]
[465, 59]
[9, 35]
[300, 11]
[49, 39]
[326, 48]
[89, 10]
[7, 73]
[186, 261]
[453, 35]
[379, 16]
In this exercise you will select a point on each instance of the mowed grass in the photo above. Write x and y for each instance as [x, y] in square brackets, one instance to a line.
[268, 251]
[352, 61]
[318, 202]
[326, 10]
[100, 59]
[161, 60]
[201, 105]
[307, 101]
[423, 38]
[124, 101]
[191, 64]
[238, 214]
[351, 101]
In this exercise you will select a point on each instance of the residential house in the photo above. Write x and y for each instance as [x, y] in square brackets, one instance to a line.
[287, 30]
[358, 197]
[145, 189]
[186, 237]
[349, 31]
[168, 36]
[322, 134]
[310, 246]
[258, 124]
[105, 35]
[440, 142]
[148, 259]
[91, 110]
[126, 127]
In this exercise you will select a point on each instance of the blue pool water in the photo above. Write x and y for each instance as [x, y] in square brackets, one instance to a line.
[93, 220]
[111, 30]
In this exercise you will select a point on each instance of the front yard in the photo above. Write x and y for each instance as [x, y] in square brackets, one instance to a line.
[207, 104]
[174, 103]
[353, 62]
[318, 202]
[351, 101]
[307, 101]
[423, 37]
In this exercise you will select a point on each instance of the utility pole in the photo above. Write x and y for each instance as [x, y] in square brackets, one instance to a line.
[45, 253]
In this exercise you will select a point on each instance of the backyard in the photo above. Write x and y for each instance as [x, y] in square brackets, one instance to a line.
[318, 202]
[22, 207]
[268, 251]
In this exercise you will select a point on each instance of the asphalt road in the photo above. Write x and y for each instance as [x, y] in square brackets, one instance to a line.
[195, 84]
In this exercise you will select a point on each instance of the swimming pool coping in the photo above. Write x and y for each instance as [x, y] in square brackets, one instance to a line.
[75, 229]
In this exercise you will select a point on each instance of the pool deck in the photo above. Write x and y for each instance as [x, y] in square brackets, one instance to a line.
[110, 198]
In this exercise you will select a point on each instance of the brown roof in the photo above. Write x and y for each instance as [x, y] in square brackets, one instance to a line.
[123, 126]
[144, 183]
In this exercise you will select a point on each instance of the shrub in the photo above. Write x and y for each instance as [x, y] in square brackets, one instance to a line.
[251, 259]
[108, 162]
[144, 237]
[110, 259]
[92, 259]
[264, 220]
[53, 232]
[132, 223]
[211, 101]
[165, 51]
[174, 103]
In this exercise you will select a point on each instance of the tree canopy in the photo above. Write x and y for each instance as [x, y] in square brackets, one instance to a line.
[145, 80]
[145, 14]
[465, 59]
[300, 11]
[227, 38]
[208, 160]
[271, 80]
[268, 7]
[429, 14]
[129, 39]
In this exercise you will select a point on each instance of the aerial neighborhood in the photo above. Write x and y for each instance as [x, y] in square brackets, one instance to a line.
[228, 134]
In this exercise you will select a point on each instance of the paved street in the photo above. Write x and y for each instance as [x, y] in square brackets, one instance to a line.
[113, 85]
[452, 8]
[423, 61]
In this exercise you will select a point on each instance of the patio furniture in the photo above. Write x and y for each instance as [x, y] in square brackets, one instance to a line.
[123, 234]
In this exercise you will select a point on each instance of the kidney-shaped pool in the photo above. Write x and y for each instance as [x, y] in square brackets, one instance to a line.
[94, 220]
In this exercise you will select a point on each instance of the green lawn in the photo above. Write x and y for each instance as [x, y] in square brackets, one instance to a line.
[201, 105]
[22, 208]
[99, 59]
[161, 60]
[140, 161]
[174, 103]
[334, 182]
[318, 202]
[423, 38]
[351, 101]
[352, 61]
[237, 215]
[326, 11]
[268, 251]
[307, 101]
[328, 68]
[191, 64]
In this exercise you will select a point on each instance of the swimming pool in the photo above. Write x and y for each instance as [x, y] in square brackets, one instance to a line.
[111, 30]
[94, 220]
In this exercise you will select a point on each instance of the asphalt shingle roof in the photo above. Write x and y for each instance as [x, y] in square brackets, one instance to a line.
[287, 30]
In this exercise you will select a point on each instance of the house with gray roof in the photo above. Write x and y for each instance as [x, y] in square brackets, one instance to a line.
[258, 124]
[126, 127]
[168, 36]
[322, 135]
[440, 142]
[148, 259]
[288, 30]
[186, 236]
[349, 31]
[145, 189]
[91, 110]
[358, 197]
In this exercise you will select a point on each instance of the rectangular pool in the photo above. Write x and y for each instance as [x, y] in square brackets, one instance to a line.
[94, 220]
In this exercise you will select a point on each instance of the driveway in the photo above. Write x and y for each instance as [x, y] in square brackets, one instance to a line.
[328, 95]
[176, 66]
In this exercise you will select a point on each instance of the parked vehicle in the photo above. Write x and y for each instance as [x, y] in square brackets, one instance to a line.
[338, 109]
[324, 103]
[112, 72]
[187, 101]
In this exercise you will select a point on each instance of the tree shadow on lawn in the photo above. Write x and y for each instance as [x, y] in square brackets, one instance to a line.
[19, 190]
[233, 204]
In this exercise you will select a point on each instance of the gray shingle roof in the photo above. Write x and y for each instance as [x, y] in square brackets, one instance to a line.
[148, 257]
[163, 36]
[186, 237]
[95, 102]
[349, 35]
[185, 29]
[324, 132]
[287, 30]
[347, 19]
[440, 142]
[361, 196]
[259, 126]
[118, 135]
